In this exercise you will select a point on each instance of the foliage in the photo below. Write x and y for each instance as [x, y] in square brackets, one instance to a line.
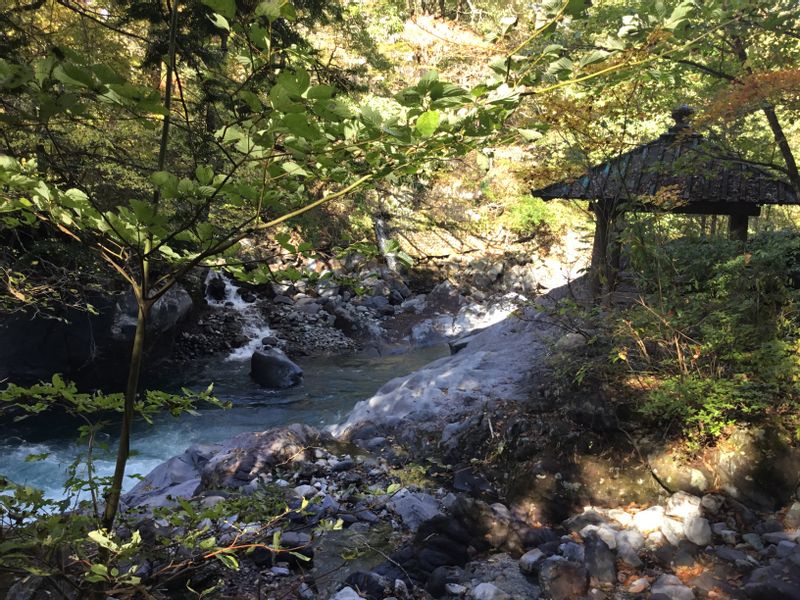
[713, 340]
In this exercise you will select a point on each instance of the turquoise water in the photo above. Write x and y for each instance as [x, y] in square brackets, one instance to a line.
[330, 388]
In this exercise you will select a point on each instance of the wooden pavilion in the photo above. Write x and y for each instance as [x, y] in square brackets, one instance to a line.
[680, 172]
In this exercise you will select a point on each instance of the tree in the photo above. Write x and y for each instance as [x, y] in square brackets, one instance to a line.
[287, 144]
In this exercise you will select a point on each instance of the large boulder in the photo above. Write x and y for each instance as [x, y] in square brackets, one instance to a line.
[271, 368]
[246, 456]
[164, 315]
[178, 477]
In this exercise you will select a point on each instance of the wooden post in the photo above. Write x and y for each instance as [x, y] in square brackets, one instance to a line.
[737, 227]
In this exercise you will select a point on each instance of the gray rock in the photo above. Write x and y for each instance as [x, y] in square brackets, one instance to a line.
[628, 545]
[649, 520]
[669, 587]
[413, 507]
[698, 531]
[600, 560]
[604, 532]
[792, 518]
[673, 530]
[561, 579]
[164, 315]
[712, 503]
[784, 548]
[529, 561]
[502, 571]
[178, 477]
[455, 589]
[728, 536]
[754, 540]
[244, 457]
[488, 591]
[305, 491]
[347, 593]
[572, 551]
[683, 506]
[271, 368]
[776, 537]
[731, 555]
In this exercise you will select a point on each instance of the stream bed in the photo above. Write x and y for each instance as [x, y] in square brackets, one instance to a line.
[331, 386]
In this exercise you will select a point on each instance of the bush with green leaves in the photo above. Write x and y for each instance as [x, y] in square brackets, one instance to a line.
[713, 339]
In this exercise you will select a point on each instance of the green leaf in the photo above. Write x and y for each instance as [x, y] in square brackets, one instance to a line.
[229, 560]
[101, 538]
[106, 74]
[575, 8]
[428, 123]
[226, 8]
[320, 92]
[219, 21]
[204, 174]
[593, 57]
[294, 169]
[299, 125]
[271, 9]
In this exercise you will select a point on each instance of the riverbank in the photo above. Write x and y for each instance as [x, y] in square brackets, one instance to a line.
[463, 479]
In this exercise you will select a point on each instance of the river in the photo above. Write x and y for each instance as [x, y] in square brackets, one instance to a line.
[330, 388]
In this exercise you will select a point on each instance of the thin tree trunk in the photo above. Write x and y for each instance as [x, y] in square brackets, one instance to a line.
[131, 391]
[143, 303]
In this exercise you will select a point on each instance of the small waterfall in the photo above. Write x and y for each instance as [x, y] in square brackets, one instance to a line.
[254, 326]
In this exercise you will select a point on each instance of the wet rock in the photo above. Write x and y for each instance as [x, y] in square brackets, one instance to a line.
[215, 288]
[271, 368]
[561, 579]
[178, 477]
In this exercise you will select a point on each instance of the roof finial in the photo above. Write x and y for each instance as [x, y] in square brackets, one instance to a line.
[682, 114]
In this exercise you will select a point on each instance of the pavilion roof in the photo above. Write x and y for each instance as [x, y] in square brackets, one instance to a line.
[681, 171]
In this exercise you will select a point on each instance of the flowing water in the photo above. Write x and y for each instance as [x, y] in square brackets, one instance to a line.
[330, 388]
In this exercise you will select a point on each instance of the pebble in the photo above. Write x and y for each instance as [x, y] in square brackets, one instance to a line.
[639, 586]
[754, 540]
[529, 561]
[455, 589]
[784, 548]
[669, 587]
[488, 591]
[712, 503]
[776, 537]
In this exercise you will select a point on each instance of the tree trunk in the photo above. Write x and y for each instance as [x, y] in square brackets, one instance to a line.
[382, 238]
[131, 391]
[737, 227]
[598, 272]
